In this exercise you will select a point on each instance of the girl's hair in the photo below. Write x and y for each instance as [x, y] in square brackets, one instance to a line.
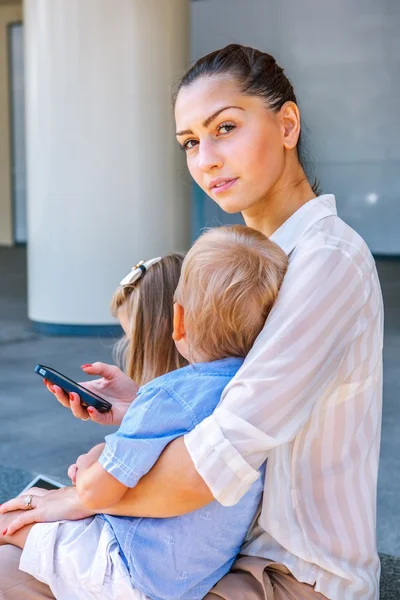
[229, 283]
[149, 350]
[257, 74]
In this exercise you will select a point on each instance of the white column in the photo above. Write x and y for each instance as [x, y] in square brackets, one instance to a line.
[8, 14]
[106, 183]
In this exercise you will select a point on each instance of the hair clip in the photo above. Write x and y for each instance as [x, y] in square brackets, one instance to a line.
[138, 270]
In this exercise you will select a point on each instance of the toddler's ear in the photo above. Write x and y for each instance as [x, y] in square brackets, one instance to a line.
[179, 323]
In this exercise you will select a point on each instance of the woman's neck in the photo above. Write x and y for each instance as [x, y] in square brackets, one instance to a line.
[281, 203]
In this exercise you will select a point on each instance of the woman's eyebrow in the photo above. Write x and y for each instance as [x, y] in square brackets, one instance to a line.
[209, 120]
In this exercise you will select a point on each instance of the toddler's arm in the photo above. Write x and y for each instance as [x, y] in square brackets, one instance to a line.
[96, 487]
[157, 417]
[85, 460]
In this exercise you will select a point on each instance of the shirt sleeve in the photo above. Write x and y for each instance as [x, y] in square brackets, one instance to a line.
[153, 420]
[293, 362]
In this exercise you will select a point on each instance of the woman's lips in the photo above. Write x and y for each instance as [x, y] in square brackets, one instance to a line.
[221, 185]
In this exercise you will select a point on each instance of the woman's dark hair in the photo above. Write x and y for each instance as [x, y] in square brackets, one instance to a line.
[257, 74]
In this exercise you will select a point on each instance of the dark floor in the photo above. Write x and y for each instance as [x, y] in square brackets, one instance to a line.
[38, 435]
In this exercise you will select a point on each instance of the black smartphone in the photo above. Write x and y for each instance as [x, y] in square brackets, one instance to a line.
[68, 385]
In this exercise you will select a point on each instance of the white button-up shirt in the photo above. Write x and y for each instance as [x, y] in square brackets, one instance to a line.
[308, 398]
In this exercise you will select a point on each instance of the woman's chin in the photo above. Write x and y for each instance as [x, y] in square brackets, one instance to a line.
[230, 205]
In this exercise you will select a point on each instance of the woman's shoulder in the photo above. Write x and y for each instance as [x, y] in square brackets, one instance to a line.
[332, 234]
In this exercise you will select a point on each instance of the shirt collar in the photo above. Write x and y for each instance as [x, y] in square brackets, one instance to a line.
[224, 366]
[291, 231]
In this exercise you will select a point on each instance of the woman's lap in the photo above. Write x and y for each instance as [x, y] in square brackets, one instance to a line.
[15, 584]
[251, 578]
[257, 578]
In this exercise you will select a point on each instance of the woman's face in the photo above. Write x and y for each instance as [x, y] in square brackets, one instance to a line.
[235, 146]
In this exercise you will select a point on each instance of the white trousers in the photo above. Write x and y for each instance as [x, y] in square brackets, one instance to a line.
[78, 560]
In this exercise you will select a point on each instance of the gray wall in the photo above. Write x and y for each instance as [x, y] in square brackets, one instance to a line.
[343, 58]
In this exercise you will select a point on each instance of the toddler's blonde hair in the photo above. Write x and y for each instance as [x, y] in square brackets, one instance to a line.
[229, 282]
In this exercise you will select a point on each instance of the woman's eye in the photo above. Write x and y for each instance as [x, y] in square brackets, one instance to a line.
[225, 128]
[188, 145]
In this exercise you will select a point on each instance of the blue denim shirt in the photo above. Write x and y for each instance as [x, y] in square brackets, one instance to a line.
[180, 557]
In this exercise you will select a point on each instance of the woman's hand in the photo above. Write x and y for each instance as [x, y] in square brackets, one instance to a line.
[113, 385]
[48, 506]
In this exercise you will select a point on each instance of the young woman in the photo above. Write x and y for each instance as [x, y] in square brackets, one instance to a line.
[308, 396]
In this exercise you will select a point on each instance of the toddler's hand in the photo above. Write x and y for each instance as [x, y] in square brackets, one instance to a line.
[84, 461]
[72, 471]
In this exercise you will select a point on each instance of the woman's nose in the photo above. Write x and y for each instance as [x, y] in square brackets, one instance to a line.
[209, 158]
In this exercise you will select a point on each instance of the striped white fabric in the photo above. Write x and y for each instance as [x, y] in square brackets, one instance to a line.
[308, 398]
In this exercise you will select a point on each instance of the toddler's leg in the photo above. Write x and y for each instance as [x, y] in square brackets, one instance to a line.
[79, 560]
[15, 584]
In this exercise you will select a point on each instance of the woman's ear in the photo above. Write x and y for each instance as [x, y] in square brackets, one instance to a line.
[290, 119]
[179, 323]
